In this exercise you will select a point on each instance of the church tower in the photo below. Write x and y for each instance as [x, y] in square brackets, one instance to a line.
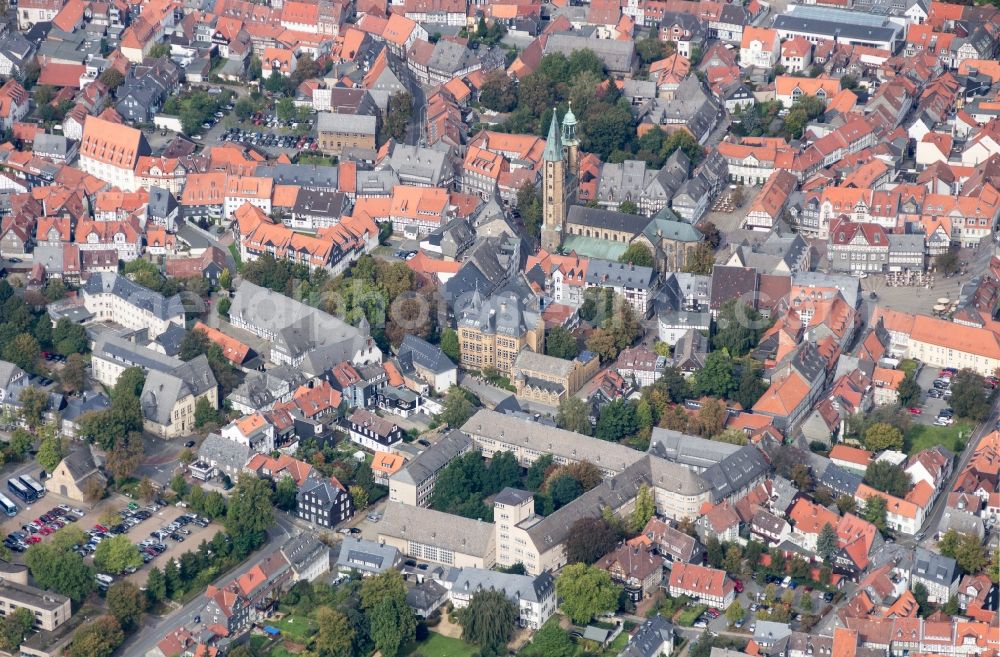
[553, 188]
[570, 141]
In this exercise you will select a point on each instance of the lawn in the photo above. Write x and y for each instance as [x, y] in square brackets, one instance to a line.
[296, 628]
[617, 645]
[438, 645]
[235, 251]
[690, 614]
[924, 436]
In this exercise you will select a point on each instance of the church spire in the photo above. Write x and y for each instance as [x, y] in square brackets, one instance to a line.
[553, 145]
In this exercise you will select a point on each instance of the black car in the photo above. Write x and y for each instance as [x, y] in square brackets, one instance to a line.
[189, 444]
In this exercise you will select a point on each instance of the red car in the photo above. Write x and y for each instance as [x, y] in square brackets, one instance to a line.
[101, 528]
[738, 586]
[33, 539]
[913, 410]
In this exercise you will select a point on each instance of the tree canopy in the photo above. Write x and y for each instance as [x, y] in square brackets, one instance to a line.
[585, 592]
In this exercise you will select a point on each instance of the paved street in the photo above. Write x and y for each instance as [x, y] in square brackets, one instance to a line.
[155, 628]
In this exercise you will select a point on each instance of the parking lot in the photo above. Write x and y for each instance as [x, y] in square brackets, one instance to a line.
[174, 548]
[40, 519]
[935, 384]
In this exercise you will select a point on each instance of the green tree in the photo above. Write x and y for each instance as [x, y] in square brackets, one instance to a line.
[716, 378]
[585, 592]
[498, 92]
[60, 570]
[285, 493]
[126, 603]
[573, 415]
[700, 260]
[391, 621]
[602, 343]
[97, 639]
[618, 420]
[888, 477]
[116, 554]
[875, 511]
[560, 343]
[449, 345]
[250, 512]
[489, 620]
[735, 612]
[637, 254]
[563, 489]
[529, 204]
[159, 50]
[14, 628]
[550, 641]
[285, 109]
[34, 401]
[360, 496]
[827, 542]
[130, 383]
[457, 408]
[909, 391]
[968, 395]
[629, 207]
[156, 585]
[739, 328]
[336, 634]
[398, 115]
[204, 412]
[966, 549]
[948, 262]
[590, 539]
[645, 508]
[20, 442]
[73, 376]
[112, 78]
[649, 50]
[882, 436]
[50, 451]
[751, 386]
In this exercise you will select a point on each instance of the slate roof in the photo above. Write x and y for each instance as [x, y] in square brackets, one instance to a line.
[228, 454]
[581, 215]
[424, 354]
[109, 283]
[434, 458]
[649, 638]
[515, 587]
[431, 527]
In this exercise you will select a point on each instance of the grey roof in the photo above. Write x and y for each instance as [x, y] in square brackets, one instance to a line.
[163, 390]
[649, 638]
[618, 56]
[691, 451]
[769, 632]
[366, 556]
[85, 403]
[933, 567]
[116, 348]
[692, 105]
[430, 527]
[736, 472]
[558, 442]
[301, 550]
[903, 243]
[512, 496]
[8, 371]
[31, 597]
[836, 28]
[171, 339]
[849, 286]
[433, 459]
[535, 362]
[840, 480]
[228, 454]
[451, 57]
[297, 328]
[109, 283]
[51, 144]
[425, 354]
[581, 215]
[360, 124]
[617, 274]
[80, 463]
[161, 202]
[306, 176]
[502, 313]
[418, 165]
[624, 181]
[515, 587]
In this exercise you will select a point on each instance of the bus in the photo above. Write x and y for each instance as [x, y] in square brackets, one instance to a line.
[7, 506]
[15, 486]
[33, 485]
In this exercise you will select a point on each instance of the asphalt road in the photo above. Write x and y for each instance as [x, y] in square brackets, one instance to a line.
[155, 628]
